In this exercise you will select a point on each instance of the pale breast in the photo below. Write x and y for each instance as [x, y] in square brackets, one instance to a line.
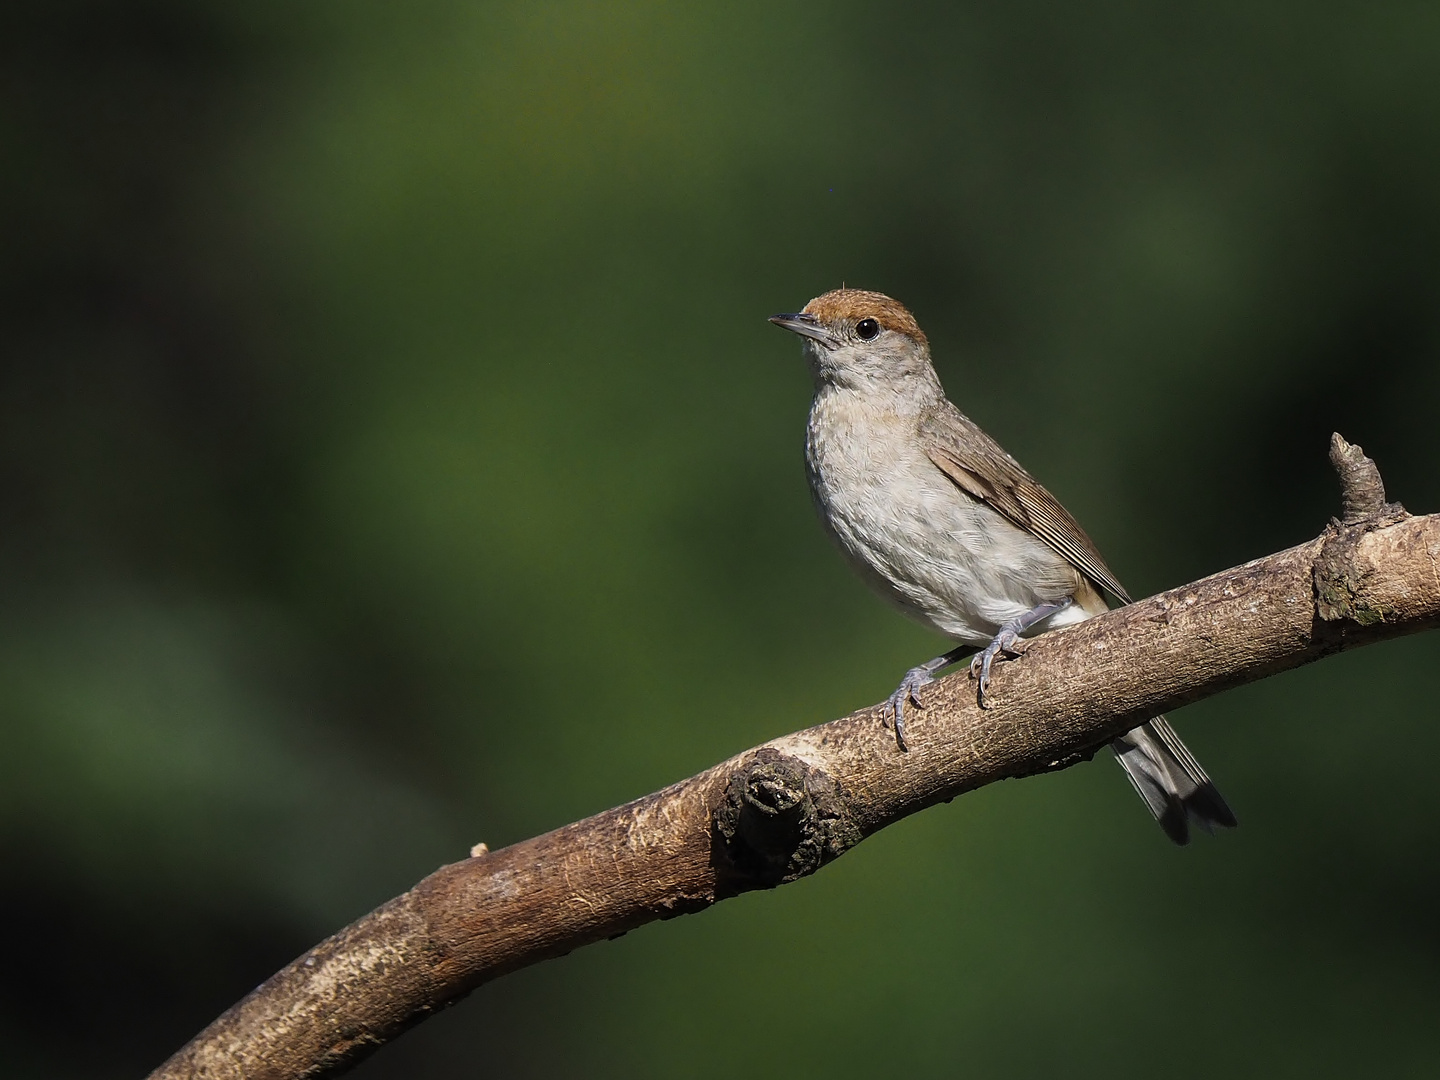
[940, 556]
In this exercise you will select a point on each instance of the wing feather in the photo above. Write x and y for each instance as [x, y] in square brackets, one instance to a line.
[976, 464]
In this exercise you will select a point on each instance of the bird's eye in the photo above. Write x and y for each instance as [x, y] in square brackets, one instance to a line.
[867, 329]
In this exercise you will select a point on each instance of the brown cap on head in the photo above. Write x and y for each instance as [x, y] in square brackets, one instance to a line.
[852, 305]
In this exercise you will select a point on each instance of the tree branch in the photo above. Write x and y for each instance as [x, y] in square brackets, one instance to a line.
[783, 810]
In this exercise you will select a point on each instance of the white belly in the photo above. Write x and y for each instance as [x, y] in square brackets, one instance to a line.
[943, 558]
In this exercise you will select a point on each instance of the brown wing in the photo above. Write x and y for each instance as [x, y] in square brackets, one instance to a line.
[979, 467]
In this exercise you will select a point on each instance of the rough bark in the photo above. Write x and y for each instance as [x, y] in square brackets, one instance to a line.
[781, 811]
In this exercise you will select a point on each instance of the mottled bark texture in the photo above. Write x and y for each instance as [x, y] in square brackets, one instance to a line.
[781, 811]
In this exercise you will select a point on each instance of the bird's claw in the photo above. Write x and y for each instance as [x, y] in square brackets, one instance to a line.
[909, 689]
[1007, 642]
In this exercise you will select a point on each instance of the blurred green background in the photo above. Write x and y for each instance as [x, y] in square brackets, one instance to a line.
[394, 455]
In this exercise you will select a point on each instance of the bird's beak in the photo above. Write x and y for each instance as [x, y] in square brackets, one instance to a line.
[806, 326]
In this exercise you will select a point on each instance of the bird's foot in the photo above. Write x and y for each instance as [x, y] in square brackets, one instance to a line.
[1007, 641]
[908, 690]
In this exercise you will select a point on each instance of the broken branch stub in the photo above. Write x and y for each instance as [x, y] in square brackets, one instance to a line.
[1339, 574]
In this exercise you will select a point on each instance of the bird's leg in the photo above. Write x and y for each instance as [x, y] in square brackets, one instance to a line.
[909, 689]
[1008, 639]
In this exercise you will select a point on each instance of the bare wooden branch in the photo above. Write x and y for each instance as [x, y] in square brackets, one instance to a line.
[781, 811]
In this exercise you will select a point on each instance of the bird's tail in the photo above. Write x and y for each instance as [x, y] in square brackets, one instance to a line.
[1171, 781]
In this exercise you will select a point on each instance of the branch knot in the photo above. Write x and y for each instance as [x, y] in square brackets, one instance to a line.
[781, 819]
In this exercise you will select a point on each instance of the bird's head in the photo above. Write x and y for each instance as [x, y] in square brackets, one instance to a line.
[860, 339]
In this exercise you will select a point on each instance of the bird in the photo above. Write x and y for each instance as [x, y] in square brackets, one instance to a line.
[949, 528]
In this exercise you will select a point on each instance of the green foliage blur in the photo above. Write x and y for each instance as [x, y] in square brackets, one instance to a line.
[394, 455]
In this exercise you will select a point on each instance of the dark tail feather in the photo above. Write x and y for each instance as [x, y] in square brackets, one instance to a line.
[1171, 781]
